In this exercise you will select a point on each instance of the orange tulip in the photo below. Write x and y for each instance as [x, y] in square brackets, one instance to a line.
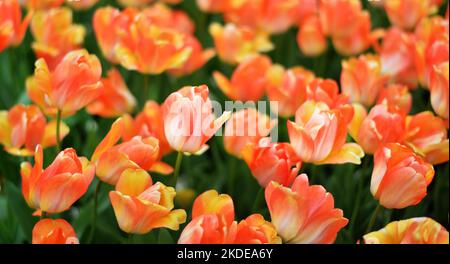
[249, 80]
[196, 60]
[147, 123]
[310, 38]
[304, 214]
[327, 91]
[24, 127]
[43, 4]
[405, 14]
[213, 223]
[82, 4]
[396, 96]
[58, 231]
[141, 207]
[271, 16]
[189, 121]
[397, 57]
[150, 49]
[233, 43]
[272, 162]
[162, 16]
[213, 6]
[12, 29]
[419, 230]
[400, 177]
[319, 133]
[427, 135]
[384, 124]
[112, 159]
[115, 99]
[439, 89]
[74, 83]
[288, 88]
[60, 185]
[361, 79]
[338, 16]
[55, 35]
[246, 126]
[109, 23]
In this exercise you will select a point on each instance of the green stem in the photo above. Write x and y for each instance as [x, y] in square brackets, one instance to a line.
[177, 168]
[257, 199]
[231, 175]
[58, 130]
[374, 218]
[94, 217]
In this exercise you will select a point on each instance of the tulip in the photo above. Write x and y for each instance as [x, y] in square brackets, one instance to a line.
[115, 99]
[338, 16]
[327, 91]
[246, 126]
[108, 24]
[233, 43]
[383, 124]
[400, 177]
[74, 83]
[304, 214]
[150, 49]
[419, 230]
[396, 96]
[213, 6]
[319, 133]
[113, 159]
[288, 88]
[249, 80]
[82, 4]
[427, 135]
[162, 16]
[310, 38]
[439, 89]
[49, 231]
[272, 162]
[189, 121]
[140, 208]
[12, 28]
[55, 34]
[213, 223]
[271, 16]
[361, 79]
[56, 188]
[405, 14]
[147, 123]
[43, 4]
[24, 127]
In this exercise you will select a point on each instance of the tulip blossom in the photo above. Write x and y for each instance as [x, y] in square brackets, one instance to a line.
[327, 91]
[272, 162]
[213, 223]
[400, 177]
[43, 4]
[109, 24]
[150, 49]
[115, 99]
[384, 124]
[419, 230]
[439, 89]
[147, 123]
[55, 34]
[189, 120]
[396, 96]
[361, 79]
[405, 14]
[141, 207]
[427, 135]
[112, 159]
[235, 43]
[71, 85]
[310, 38]
[81, 4]
[271, 16]
[12, 28]
[288, 88]
[246, 126]
[304, 214]
[56, 188]
[213, 6]
[24, 127]
[49, 231]
[319, 133]
[162, 16]
[249, 80]
[338, 16]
